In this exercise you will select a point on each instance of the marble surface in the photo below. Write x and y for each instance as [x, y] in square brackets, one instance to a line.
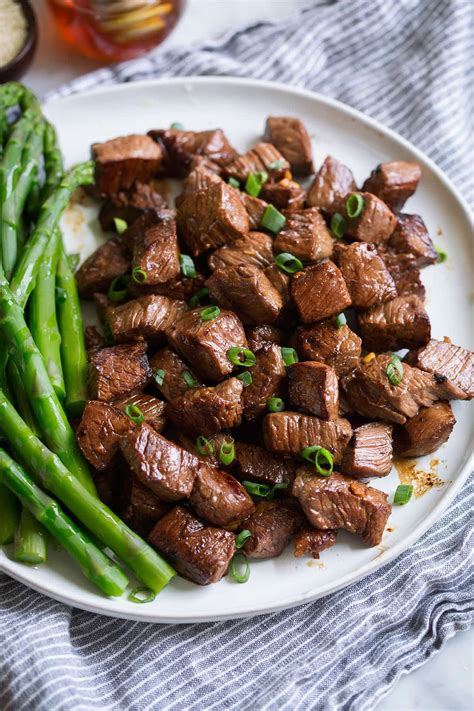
[445, 682]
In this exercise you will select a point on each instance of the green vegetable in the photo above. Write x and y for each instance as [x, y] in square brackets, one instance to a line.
[254, 182]
[338, 225]
[288, 263]
[199, 297]
[442, 255]
[239, 559]
[120, 225]
[246, 378]
[272, 219]
[321, 458]
[21, 398]
[234, 183]
[139, 275]
[30, 540]
[141, 595]
[210, 313]
[134, 413]
[177, 125]
[189, 379]
[188, 269]
[9, 515]
[227, 451]
[394, 370]
[403, 494]
[341, 320]
[289, 355]
[242, 537]
[278, 164]
[263, 491]
[204, 447]
[160, 376]
[275, 404]
[53, 162]
[118, 288]
[354, 205]
[241, 356]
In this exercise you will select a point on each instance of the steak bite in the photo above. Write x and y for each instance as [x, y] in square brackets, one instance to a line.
[254, 463]
[449, 363]
[328, 343]
[205, 411]
[305, 235]
[205, 343]
[312, 541]
[331, 184]
[219, 498]
[319, 291]
[289, 432]
[404, 271]
[155, 247]
[313, 388]
[285, 195]
[425, 432]
[246, 290]
[198, 552]
[400, 323]
[99, 433]
[259, 336]
[262, 157]
[375, 223]
[139, 507]
[255, 249]
[272, 525]
[290, 137]
[369, 453]
[181, 288]
[211, 218]
[340, 502]
[148, 317]
[118, 370]
[152, 409]
[129, 205]
[411, 236]
[268, 378]
[112, 259]
[367, 278]
[183, 146]
[122, 161]
[394, 182]
[199, 178]
[176, 378]
[255, 208]
[159, 464]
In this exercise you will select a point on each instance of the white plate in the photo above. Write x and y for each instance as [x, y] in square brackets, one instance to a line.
[240, 106]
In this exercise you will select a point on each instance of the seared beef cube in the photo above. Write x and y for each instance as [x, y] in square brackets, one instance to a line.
[198, 552]
[118, 370]
[205, 411]
[148, 317]
[285, 195]
[259, 336]
[369, 452]
[255, 249]
[328, 343]
[255, 208]
[177, 376]
[394, 182]
[205, 343]
[211, 218]
[290, 136]
[262, 157]
[122, 161]
[400, 323]
[257, 464]
[109, 261]
[165, 468]
[246, 290]
[425, 432]
[411, 236]
[313, 541]
[340, 502]
[219, 498]
[313, 388]
[182, 146]
[180, 288]
[210, 455]
[290, 432]
[140, 508]
[449, 363]
[199, 178]
[367, 278]
[155, 247]
[272, 525]
[305, 235]
[319, 291]
[129, 205]
[375, 223]
[99, 432]
[330, 186]
[280, 281]
[268, 377]
[404, 271]
[152, 409]
[93, 338]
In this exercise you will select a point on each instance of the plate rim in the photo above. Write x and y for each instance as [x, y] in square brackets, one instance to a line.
[103, 605]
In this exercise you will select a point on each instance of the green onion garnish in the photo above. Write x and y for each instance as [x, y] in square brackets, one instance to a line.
[177, 125]
[442, 255]
[246, 378]
[108, 335]
[277, 164]
[275, 404]
[134, 413]
[234, 183]
[272, 219]
[263, 491]
[159, 376]
[354, 205]
[210, 313]
[141, 595]
[254, 182]
[242, 537]
[239, 559]
[241, 356]
[120, 225]
[289, 355]
[204, 447]
[61, 295]
[118, 288]
[341, 320]
[288, 263]
[139, 275]
[338, 225]
[227, 451]
[320, 457]
[188, 269]
[403, 494]
[74, 260]
[394, 370]
[189, 379]
[199, 297]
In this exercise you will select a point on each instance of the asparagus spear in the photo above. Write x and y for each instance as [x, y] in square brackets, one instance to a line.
[94, 563]
[50, 472]
[10, 95]
[21, 398]
[9, 515]
[53, 161]
[30, 540]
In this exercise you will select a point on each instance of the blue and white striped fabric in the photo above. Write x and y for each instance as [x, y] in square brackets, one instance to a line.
[407, 64]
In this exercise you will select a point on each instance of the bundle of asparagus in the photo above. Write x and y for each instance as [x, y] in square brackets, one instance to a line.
[43, 365]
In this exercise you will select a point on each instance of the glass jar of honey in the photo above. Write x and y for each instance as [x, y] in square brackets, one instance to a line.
[115, 30]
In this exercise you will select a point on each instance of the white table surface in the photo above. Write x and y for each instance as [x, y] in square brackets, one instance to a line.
[445, 682]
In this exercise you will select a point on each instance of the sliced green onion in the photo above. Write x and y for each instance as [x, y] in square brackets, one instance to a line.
[141, 595]
[246, 378]
[242, 537]
[275, 404]
[320, 457]
[204, 447]
[108, 335]
[120, 225]
[254, 182]
[61, 295]
[177, 125]
[288, 263]
[139, 275]
[263, 491]
[241, 356]
[199, 297]
[188, 269]
[118, 288]
[239, 559]
[160, 376]
[289, 355]
[227, 451]
[210, 313]
[341, 320]
[403, 494]
[272, 219]
[234, 183]
[442, 255]
[354, 205]
[279, 164]
[338, 225]
[74, 260]
[189, 379]
[394, 370]
[134, 413]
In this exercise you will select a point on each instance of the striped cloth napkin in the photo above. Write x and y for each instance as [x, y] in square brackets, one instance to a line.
[407, 64]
